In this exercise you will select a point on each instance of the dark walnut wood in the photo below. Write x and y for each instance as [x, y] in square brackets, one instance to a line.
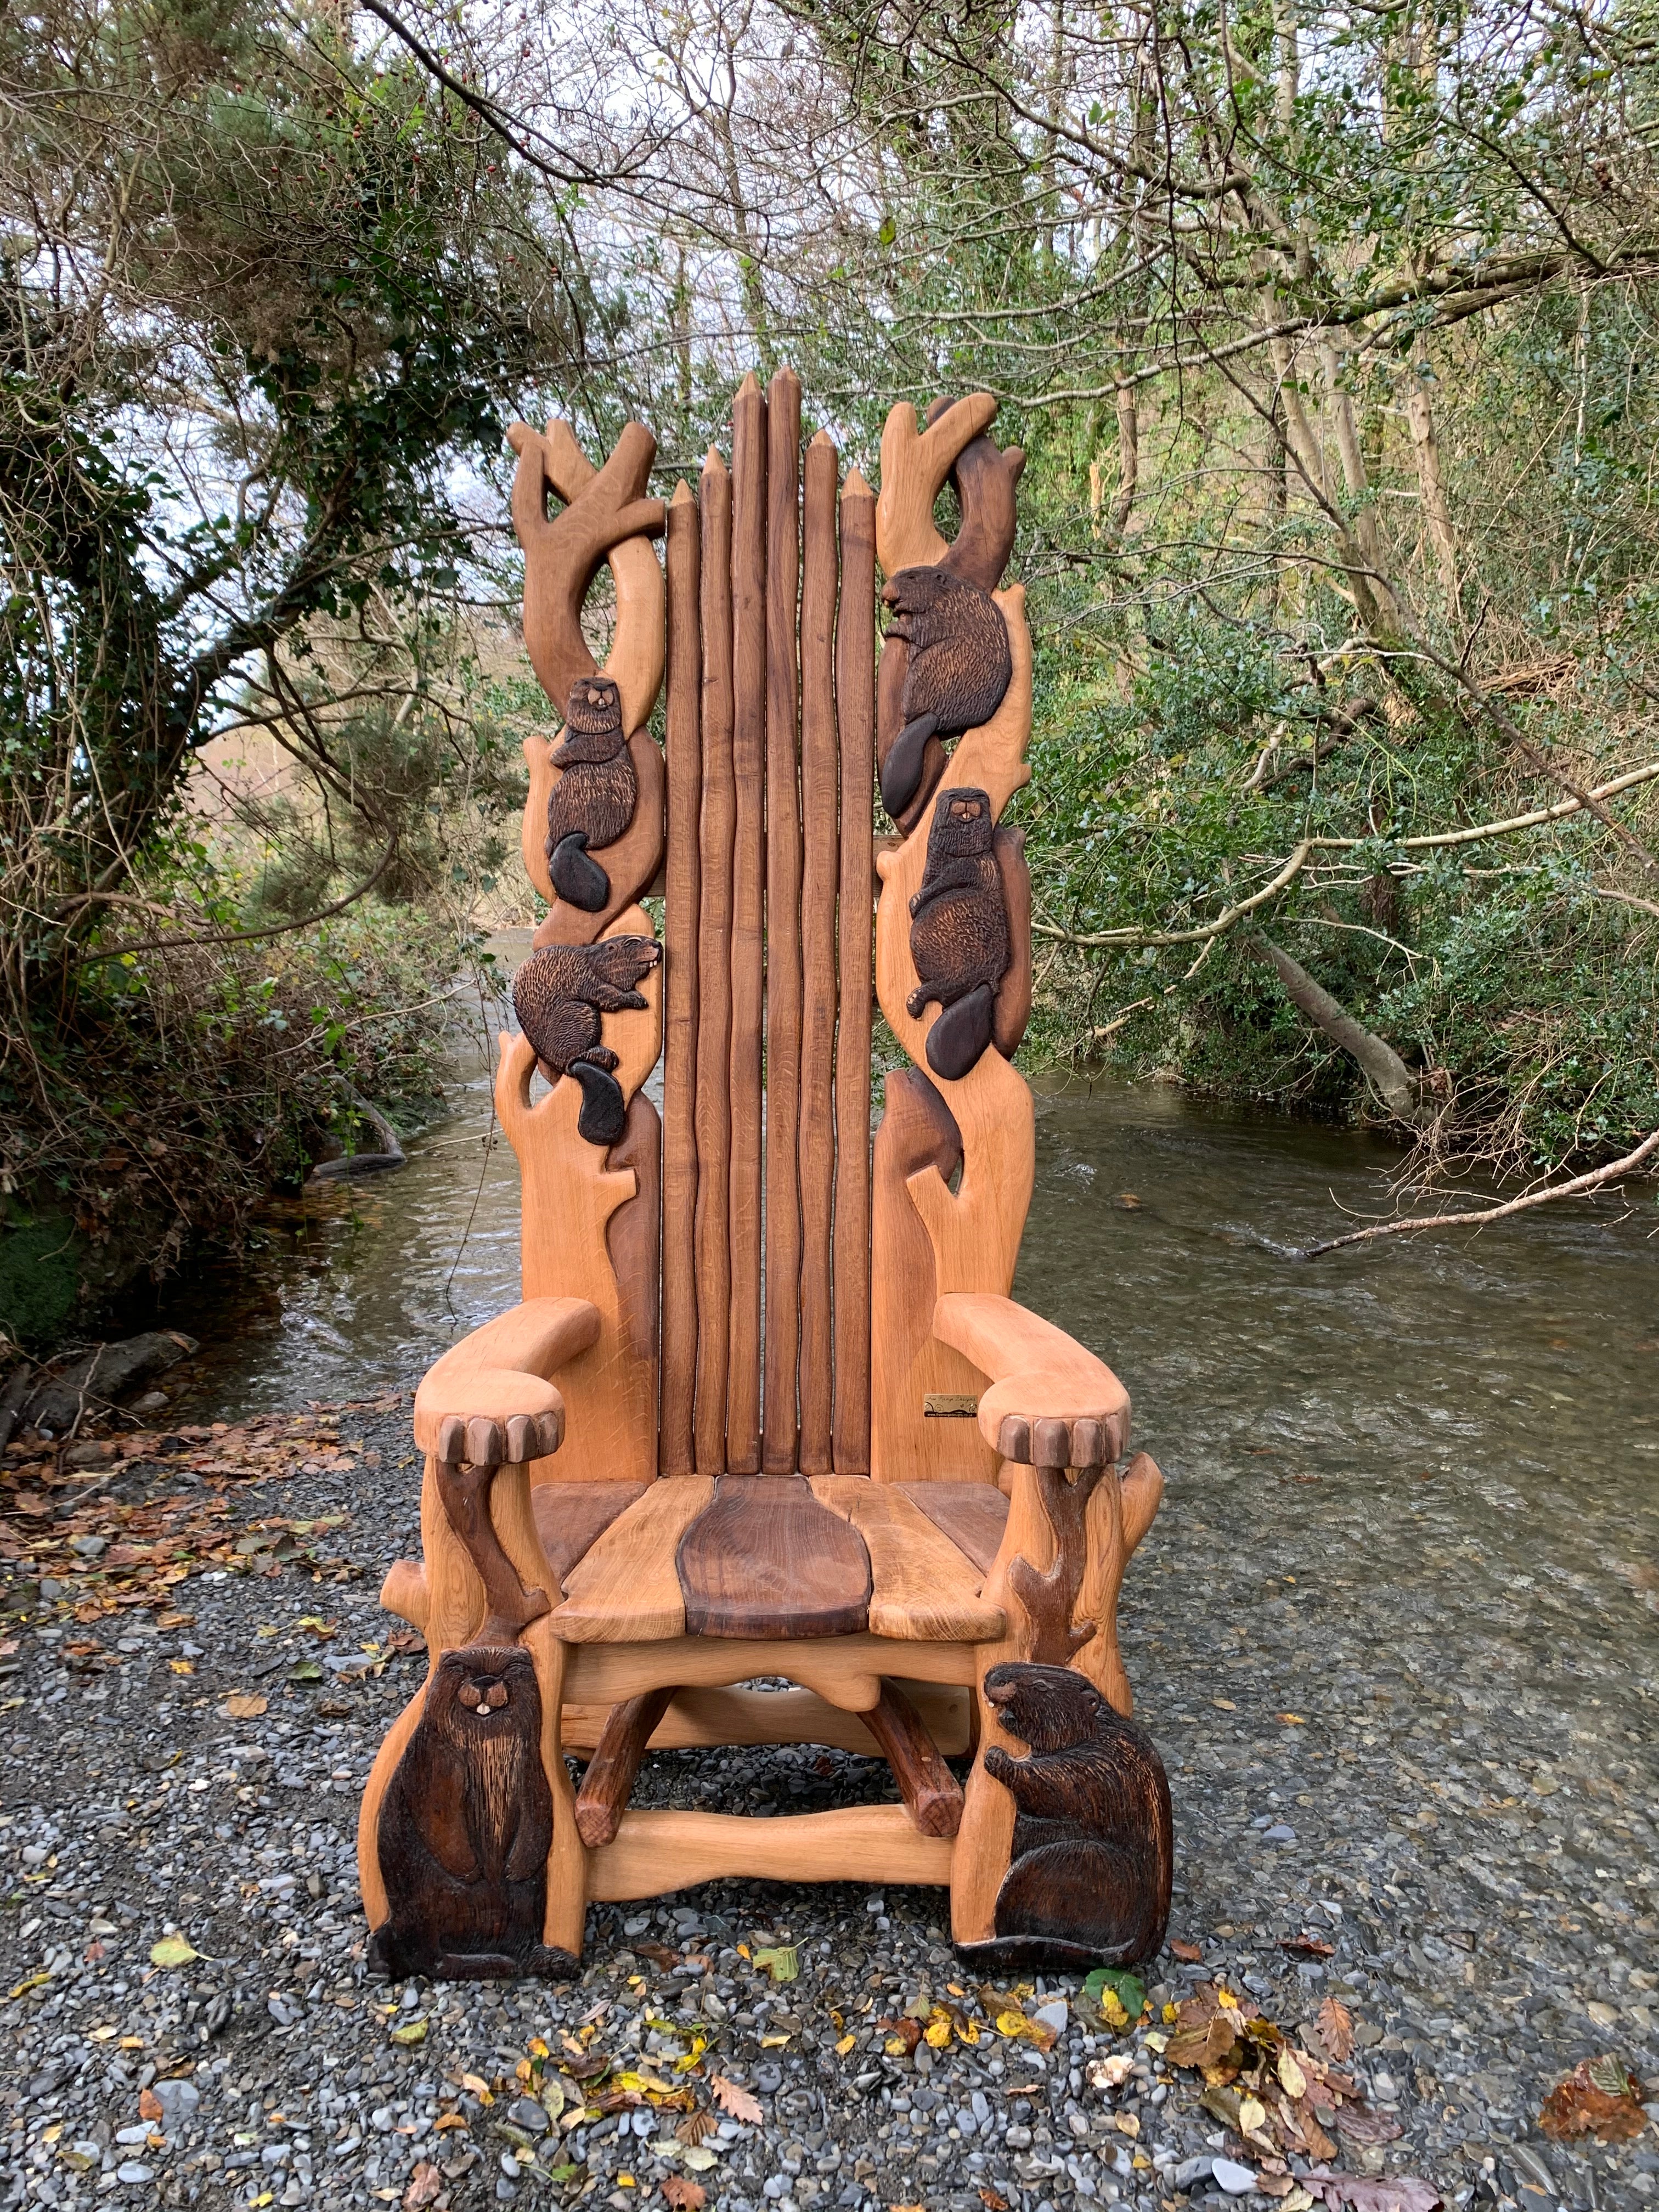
[957, 666]
[560, 995]
[959, 939]
[931, 1794]
[765, 1558]
[1088, 1881]
[572, 1517]
[973, 1515]
[465, 1829]
[593, 801]
[1050, 1598]
[464, 1487]
[609, 1781]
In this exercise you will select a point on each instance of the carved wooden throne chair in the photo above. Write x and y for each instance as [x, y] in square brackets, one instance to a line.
[767, 1408]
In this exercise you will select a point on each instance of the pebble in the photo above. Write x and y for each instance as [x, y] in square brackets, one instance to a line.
[1236, 2180]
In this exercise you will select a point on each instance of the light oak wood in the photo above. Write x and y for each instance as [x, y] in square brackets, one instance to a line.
[626, 1590]
[633, 1240]
[820, 804]
[676, 1452]
[1119, 1513]
[914, 464]
[846, 1671]
[856, 720]
[1014, 1000]
[506, 1368]
[743, 1385]
[660, 1852]
[631, 864]
[717, 828]
[698, 1718]
[783, 929]
[921, 1587]
[1037, 1373]
[566, 1915]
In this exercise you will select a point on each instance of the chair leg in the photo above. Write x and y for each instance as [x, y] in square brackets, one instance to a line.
[609, 1781]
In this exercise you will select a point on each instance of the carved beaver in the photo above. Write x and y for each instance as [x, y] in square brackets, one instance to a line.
[958, 668]
[594, 801]
[559, 996]
[1093, 1850]
[465, 1829]
[959, 931]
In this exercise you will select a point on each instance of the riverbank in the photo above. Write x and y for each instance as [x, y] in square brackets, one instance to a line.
[1441, 1770]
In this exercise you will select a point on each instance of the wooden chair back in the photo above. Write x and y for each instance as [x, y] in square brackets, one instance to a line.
[739, 1332]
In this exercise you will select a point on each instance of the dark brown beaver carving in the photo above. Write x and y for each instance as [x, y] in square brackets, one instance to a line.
[594, 801]
[1093, 1852]
[465, 1829]
[959, 931]
[958, 668]
[559, 996]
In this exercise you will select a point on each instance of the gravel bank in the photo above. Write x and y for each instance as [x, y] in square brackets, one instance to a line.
[1449, 1781]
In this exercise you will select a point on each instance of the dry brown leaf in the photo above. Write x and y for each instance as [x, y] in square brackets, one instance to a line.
[1305, 1945]
[1336, 2029]
[240, 1705]
[993, 2200]
[685, 2196]
[733, 2097]
[1601, 2097]
[149, 2105]
[1189, 1954]
[423, 2185]
[694, 2126]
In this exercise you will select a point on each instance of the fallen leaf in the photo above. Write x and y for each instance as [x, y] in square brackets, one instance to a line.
[1252, 2115]
[1293, 1720]
[409, 2031]
[149, 2105]
[1392, 2192]
[1111, 2073]
[478, 2086]
[781, 1960]
[994, 2200]
[848, 2043]
[1224, 1704]
[937, 2035]
[242, 1705]
[1189, 1954]
[699, 2157]
[1116, 1982]
[685, 2196]
[446, 2120]
[1294, 2081]
[423, 2185]
[734, 2098]
[1367, 2127]
[182, 1666]
[1601, 2097]
[172, 1951]
[1306, 1947]
[659, 1955]
[1127, 2124]
[694, 2126]
[1336, 2029]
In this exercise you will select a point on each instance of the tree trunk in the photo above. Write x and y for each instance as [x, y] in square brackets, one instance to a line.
[1382, 1064]
[1419, 413]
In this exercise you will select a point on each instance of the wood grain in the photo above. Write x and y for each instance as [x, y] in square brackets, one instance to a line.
[921, 1587]
[1037, 1373]
[917, 1132]
[846, 1671]
[633, 1241]
[698, 1718]
[567, 1858]
[656, 1852]
[571, 1517]
[931, 1794]
[505, 1369]
[676, 1452]
[855, 721]
[765, 1558]
[717, 828]
[973, 1515]
[914, 464]
[820, 801]
[743, 1421]
[626, 1590]
[783, 927]
[1013, 998]
[630, 865]
[609, 1781]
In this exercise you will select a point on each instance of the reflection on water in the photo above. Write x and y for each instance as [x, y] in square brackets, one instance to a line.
[1430, 1386]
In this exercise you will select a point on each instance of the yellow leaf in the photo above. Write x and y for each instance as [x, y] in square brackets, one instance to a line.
[1171, 2015]
[410, 2031]
[521, 2071]
[537, 2048]
[1252, 2114]
[131, 2043]
[895, 2047]
[1226, 1997]
[1126, 2124]
[1112, 2010]
[1293, 1720]
[936, 2032]
[172, 1951]
[1013, 2025]
[34, 1982]
[967, 2031]
[1225, 1703]
[774, 2042]
[626, 2181]
[182, 1666]
[1291, 2074]
[98, 2034]
[848, 2043]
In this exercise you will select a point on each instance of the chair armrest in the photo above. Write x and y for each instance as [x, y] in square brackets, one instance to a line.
[490, 1399]
[1051, 1403]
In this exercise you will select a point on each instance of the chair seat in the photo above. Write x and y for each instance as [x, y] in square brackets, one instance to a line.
[780, 1558]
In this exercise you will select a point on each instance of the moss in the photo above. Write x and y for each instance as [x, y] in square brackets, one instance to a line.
[42, 1262]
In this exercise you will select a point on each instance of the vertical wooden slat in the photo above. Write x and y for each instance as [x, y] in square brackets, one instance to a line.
[717, 818]
[820, 797]
[749, 885]
[783, 927]
[855, 712]
[676, 1453]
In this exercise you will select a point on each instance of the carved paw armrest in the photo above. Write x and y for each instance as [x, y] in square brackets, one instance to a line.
[1051, 1403]
[491, 1400]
